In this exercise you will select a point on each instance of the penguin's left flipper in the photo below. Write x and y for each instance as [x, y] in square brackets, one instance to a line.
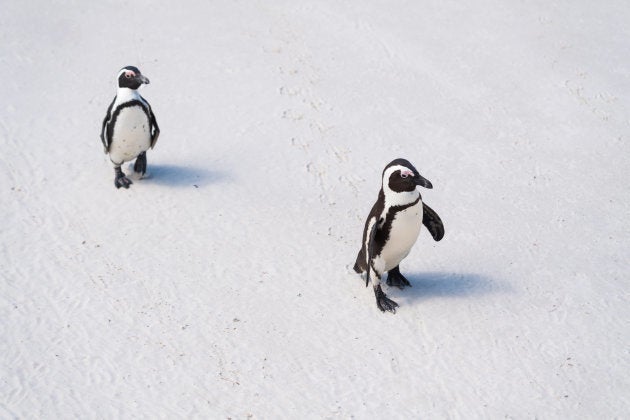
[154, 138]
[155, 129]
[433, 222]
[140, 166]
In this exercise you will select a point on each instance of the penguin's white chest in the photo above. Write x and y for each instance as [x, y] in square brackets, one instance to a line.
[131, 135]
[403, 234]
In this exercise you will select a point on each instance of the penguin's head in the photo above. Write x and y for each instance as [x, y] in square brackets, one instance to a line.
[130, 77]
[401, 176]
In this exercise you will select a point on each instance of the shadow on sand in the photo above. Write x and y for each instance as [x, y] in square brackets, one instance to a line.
[447, 285]
[182, 176]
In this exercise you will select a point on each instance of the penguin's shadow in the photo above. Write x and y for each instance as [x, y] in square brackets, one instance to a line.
[182, 176]
[431, 285]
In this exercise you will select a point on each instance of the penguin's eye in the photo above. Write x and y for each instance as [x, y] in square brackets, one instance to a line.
[128, 75]
[404, 175]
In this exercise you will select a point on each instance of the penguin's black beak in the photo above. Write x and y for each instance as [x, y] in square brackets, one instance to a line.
[423, 182]
[142, 79]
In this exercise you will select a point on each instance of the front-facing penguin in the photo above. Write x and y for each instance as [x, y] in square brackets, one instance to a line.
[129, 128]
[392, 228]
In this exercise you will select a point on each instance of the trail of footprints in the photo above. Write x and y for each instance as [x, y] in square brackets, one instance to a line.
[306, 110]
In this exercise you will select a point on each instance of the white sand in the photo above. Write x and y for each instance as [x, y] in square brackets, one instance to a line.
[221, 285]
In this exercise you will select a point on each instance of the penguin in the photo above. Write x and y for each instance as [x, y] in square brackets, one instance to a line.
[129, 127]
[392, 227]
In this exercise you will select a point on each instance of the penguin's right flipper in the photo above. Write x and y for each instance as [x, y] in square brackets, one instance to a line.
[105, 128]
[140, 166]
[433, 222]
[370, 249]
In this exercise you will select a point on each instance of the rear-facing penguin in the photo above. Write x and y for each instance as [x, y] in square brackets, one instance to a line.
[129, 128]
[392, 228]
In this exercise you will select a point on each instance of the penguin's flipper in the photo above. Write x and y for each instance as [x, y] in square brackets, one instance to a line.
[155, 129]
[104, 138]
[105, 128]
[370, 248]
[154, 137]
[433, 222]
[140, 166]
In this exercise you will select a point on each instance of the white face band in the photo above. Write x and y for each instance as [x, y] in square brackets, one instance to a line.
[391, 170]
[393, 198]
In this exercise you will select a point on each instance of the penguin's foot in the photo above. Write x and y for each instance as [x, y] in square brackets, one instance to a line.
[121, 180]
[383, 302]
[140, 167]
[395, 279]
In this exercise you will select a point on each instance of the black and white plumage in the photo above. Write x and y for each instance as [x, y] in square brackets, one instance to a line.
[392, 228]
[129, 128]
